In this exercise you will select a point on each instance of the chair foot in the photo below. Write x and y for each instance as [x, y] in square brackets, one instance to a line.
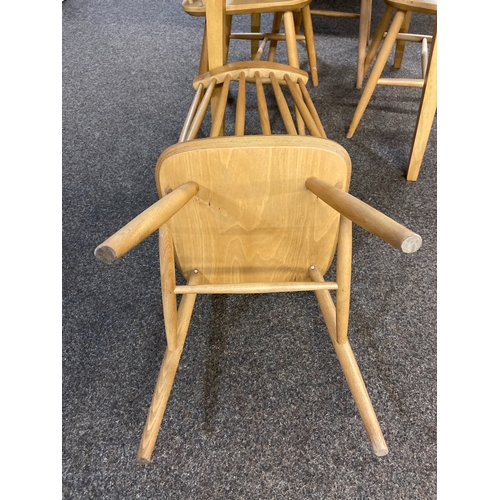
[158, 404]
[352, 375]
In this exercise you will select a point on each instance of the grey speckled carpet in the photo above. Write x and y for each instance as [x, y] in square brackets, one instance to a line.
[260, 408]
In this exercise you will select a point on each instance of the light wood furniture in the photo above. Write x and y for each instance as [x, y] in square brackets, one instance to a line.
[395, 33]
[255, 214]
[213, 87]
[364, 15]
[287, 83]
[283, 11]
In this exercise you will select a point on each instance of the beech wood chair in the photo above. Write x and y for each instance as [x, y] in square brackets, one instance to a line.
[395, 36]
[254, 214]
[274, 227]
[283, 11]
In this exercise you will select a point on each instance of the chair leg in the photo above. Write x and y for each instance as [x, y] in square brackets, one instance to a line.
[310, 46]
[293, 58]
[167, 274]
[378, 37]
[291, 40]
[166, 377]
[353, 376]
[255, 28]
[343, 276]
[368, 16]
[364, 34]
[229, 23]
[203, 67]
[278, 17]
[376, 71]
[400, 44]
[426, 113]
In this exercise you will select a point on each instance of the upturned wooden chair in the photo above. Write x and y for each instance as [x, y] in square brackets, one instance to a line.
[255, 214]
[283, 11]
[392, 33]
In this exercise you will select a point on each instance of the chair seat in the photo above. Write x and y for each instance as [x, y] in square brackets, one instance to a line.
[422, 6]
[198, 7]
[256, 224]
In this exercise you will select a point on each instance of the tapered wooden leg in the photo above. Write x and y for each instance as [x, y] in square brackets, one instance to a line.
[273, 44]
[376, 71]
[166, 377]
[351, 372]
[293, 59]
[369, 17]
[364, 33]
[310, 46]
[400, 44]
[229, 23]
[255, 28]
[291, 39]
[378, 37]
[167, 274]
[298, 21]
[203, 67]
[426, 113]
[343, 275]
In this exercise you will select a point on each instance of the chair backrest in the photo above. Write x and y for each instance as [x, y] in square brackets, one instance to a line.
[253, 219]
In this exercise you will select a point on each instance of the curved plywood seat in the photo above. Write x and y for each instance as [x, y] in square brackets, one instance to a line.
[254, 224]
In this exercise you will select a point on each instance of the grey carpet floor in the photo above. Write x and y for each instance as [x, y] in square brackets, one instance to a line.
[260, 408]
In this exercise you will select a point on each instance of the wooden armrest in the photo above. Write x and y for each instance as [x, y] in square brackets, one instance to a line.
[366, 216]
[146, 223]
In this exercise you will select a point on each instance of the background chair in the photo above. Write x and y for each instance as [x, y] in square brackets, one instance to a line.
[400, 12]
[283, 12]
[274, 227]
[213, 86]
